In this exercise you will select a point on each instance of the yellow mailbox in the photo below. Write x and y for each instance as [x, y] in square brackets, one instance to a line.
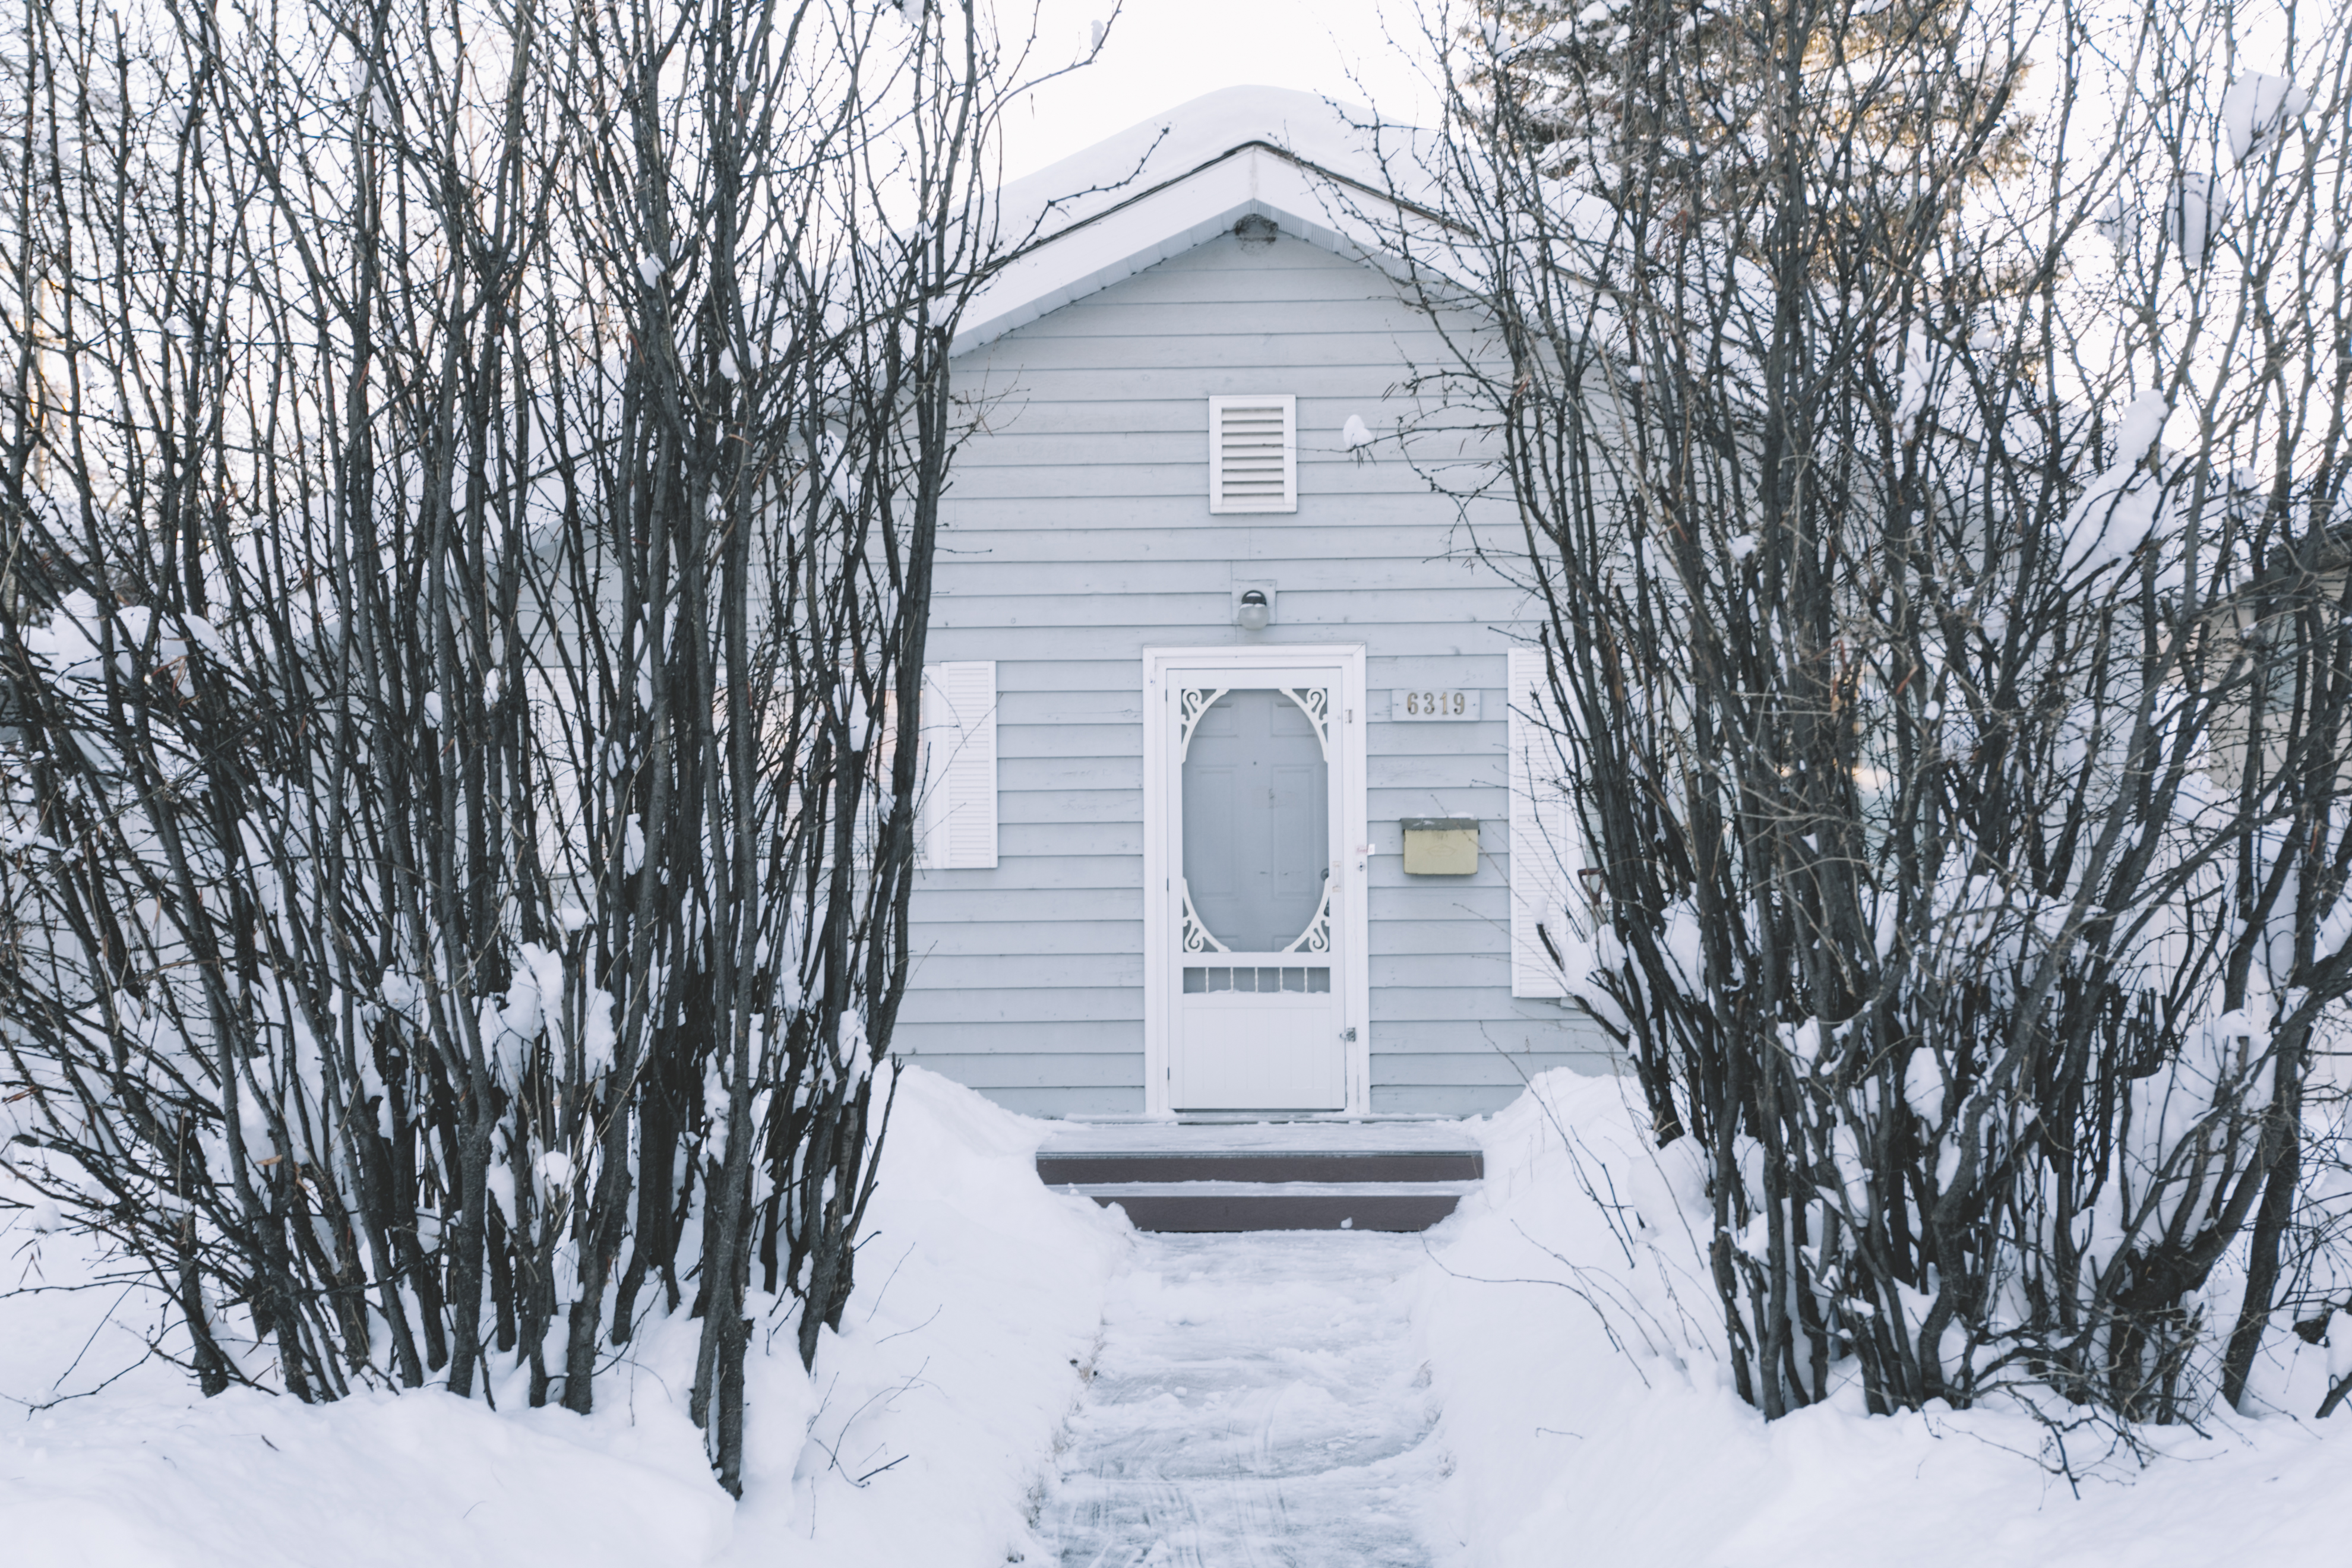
[1441, 846]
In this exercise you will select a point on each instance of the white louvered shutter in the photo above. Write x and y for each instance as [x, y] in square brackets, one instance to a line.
[1542, 829]
[1253, 453]
[958, 811]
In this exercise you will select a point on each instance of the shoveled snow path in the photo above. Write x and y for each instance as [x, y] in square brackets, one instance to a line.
[1256, 1402]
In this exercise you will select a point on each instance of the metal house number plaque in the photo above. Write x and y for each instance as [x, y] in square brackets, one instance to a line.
[1423, 705]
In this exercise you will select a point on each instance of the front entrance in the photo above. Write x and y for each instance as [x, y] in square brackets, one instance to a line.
[1259, 928]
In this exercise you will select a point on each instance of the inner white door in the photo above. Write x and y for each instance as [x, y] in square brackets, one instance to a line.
[1257, 988]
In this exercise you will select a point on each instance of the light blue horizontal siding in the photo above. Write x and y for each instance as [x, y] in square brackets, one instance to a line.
[1064, 1102]
[995, 937]
[1049, 1003]
[1076, 536]
[1114, 706]
[1307, 580]
[1037, 872]
[1063, 805]
[1024, 968]
[950, 897]
[1144, 550]
[1041, 1070]
[985, 1037]
[1488, 1069]
[969, 637]
[1327, 607]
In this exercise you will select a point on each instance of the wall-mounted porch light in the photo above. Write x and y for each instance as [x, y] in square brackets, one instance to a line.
[1252, 612]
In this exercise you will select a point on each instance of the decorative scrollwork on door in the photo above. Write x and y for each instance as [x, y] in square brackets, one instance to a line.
[1192, 701]
[1314, 702]
[1316, 937]
[1198, 937]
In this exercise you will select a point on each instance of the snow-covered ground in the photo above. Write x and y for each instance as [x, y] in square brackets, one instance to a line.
[1568, 1452]
[1454, 1400]
[928, 1429]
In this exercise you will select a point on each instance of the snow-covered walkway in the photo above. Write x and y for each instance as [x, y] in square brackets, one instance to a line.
[1256, 1402]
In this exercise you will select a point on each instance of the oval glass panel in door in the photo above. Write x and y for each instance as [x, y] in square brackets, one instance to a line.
[1257, 823]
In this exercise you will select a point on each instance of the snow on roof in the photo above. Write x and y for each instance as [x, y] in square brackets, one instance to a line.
[1175, 142]
[1167, 184]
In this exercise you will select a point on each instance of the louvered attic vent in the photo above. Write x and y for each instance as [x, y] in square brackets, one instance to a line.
[1253, 454]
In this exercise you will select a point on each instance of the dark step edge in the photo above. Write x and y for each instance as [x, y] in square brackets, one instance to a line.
[1278, 1210]
[1253, 1165]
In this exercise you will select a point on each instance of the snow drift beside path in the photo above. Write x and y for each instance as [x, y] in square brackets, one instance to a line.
[941, 1399]
[1567, 1451]
[931, 1423]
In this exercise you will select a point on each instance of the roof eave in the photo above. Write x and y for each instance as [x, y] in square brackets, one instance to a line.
[1332, 211]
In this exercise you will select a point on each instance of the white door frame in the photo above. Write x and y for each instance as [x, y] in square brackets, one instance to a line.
[1349, 911]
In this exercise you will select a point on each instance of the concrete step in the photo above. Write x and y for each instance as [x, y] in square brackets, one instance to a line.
[1393, 1176]
[1228, 1206]
[1061, 1167]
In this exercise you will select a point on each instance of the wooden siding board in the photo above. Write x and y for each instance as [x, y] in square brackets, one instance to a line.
[1042, 838]
[1078, 739]
[951, 896]
[969, 639]
[1025, 805]
[966, 939]
[1198, 609]
[1011, 549]
[1386, 872]
[1047, 1004]
[1423, 773]
[1070, 773]
[1420, 899]
[1423, 938]
[1468, 1005]
[1171, 408]
[1017, 1070]
[1025, 969]
[1393, 971]
[1122, 521]
[1563, 1031]
[1417, 1099]
[1336, 574]
[1241, 374]
[1175, 477]
[1462, 740]
[1491, 1069]
[983, 1038]
[1074, 1103]
[1375, 349]
[1124, 676]
[1113, 706]
[1059, 871]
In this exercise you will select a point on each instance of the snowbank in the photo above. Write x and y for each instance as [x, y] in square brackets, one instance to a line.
[1565, 1451]
[930, 1422]
[927, 1434]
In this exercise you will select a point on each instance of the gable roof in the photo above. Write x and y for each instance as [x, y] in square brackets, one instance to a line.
[1167, 184]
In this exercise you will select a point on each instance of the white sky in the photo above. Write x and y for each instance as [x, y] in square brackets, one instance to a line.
[1161, 52]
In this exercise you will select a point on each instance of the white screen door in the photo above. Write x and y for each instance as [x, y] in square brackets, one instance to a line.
[1255, 991]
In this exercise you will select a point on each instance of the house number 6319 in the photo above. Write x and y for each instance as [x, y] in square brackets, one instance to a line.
[1422, 705]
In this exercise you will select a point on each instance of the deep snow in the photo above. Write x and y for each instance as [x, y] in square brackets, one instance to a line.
[930, 1422]
[1454, 1399]
[1568, 1452]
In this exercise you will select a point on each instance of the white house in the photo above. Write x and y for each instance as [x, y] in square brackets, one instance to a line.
[1222, 813]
